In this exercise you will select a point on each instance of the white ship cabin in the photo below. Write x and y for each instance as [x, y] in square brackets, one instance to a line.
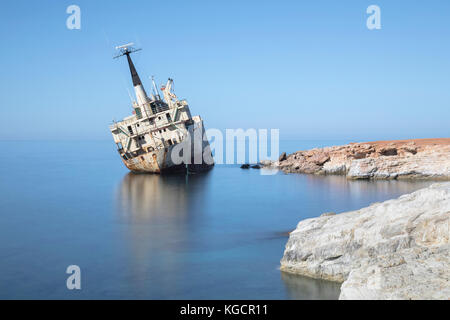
[155, 124]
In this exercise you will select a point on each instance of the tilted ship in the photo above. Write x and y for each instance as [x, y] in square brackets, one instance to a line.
[161, 135]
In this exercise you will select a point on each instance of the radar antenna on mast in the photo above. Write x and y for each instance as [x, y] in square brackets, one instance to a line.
[126, 49]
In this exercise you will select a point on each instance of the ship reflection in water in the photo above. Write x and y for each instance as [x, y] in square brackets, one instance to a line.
[147, 197]
[222, 234]
[157, 213]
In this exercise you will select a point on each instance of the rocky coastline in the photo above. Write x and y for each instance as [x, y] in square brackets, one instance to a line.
[397, 249]
[397, 159]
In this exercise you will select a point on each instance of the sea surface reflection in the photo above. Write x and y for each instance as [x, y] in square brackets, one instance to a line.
[223, 233]
[218, 235]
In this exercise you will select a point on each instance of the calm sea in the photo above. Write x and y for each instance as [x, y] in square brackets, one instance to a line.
[218, 235]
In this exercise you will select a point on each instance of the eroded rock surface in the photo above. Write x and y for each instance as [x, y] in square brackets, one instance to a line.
[402, 159]
[398, 249]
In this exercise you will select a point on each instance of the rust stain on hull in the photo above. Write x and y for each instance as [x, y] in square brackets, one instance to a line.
[148, 163]
[143, 163]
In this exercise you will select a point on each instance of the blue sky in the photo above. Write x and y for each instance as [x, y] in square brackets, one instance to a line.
[310, 68]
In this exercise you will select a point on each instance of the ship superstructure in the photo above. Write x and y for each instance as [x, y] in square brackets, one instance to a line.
[160, 131]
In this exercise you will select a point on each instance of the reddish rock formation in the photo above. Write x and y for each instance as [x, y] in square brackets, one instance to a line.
[418, 159]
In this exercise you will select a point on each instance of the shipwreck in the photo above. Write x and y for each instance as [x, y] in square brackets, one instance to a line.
[160, 136]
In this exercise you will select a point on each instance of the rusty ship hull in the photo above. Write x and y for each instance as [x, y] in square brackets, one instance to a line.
[161, 161]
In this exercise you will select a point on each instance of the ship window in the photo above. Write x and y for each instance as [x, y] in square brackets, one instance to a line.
[153, 107]
[159, 118]
[130, 130]
[138, 113]
[151, 120]
[119, 146]
[168, 117]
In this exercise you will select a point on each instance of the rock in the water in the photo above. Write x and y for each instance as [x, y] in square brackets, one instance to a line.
[398, 249]
[245, 166]
[256, 166]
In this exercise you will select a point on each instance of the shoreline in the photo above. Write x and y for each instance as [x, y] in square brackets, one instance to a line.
[415, 159]
[396, 249]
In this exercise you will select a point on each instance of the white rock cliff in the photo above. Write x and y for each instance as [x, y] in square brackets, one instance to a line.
[398, 249]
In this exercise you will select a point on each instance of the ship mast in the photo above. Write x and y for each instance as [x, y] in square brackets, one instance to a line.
[141, 95]
[155, 89]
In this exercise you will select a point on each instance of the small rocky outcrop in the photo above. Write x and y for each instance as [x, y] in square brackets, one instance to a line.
[248, 166]
[398, 249]
[402, 159]
[282, 157]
